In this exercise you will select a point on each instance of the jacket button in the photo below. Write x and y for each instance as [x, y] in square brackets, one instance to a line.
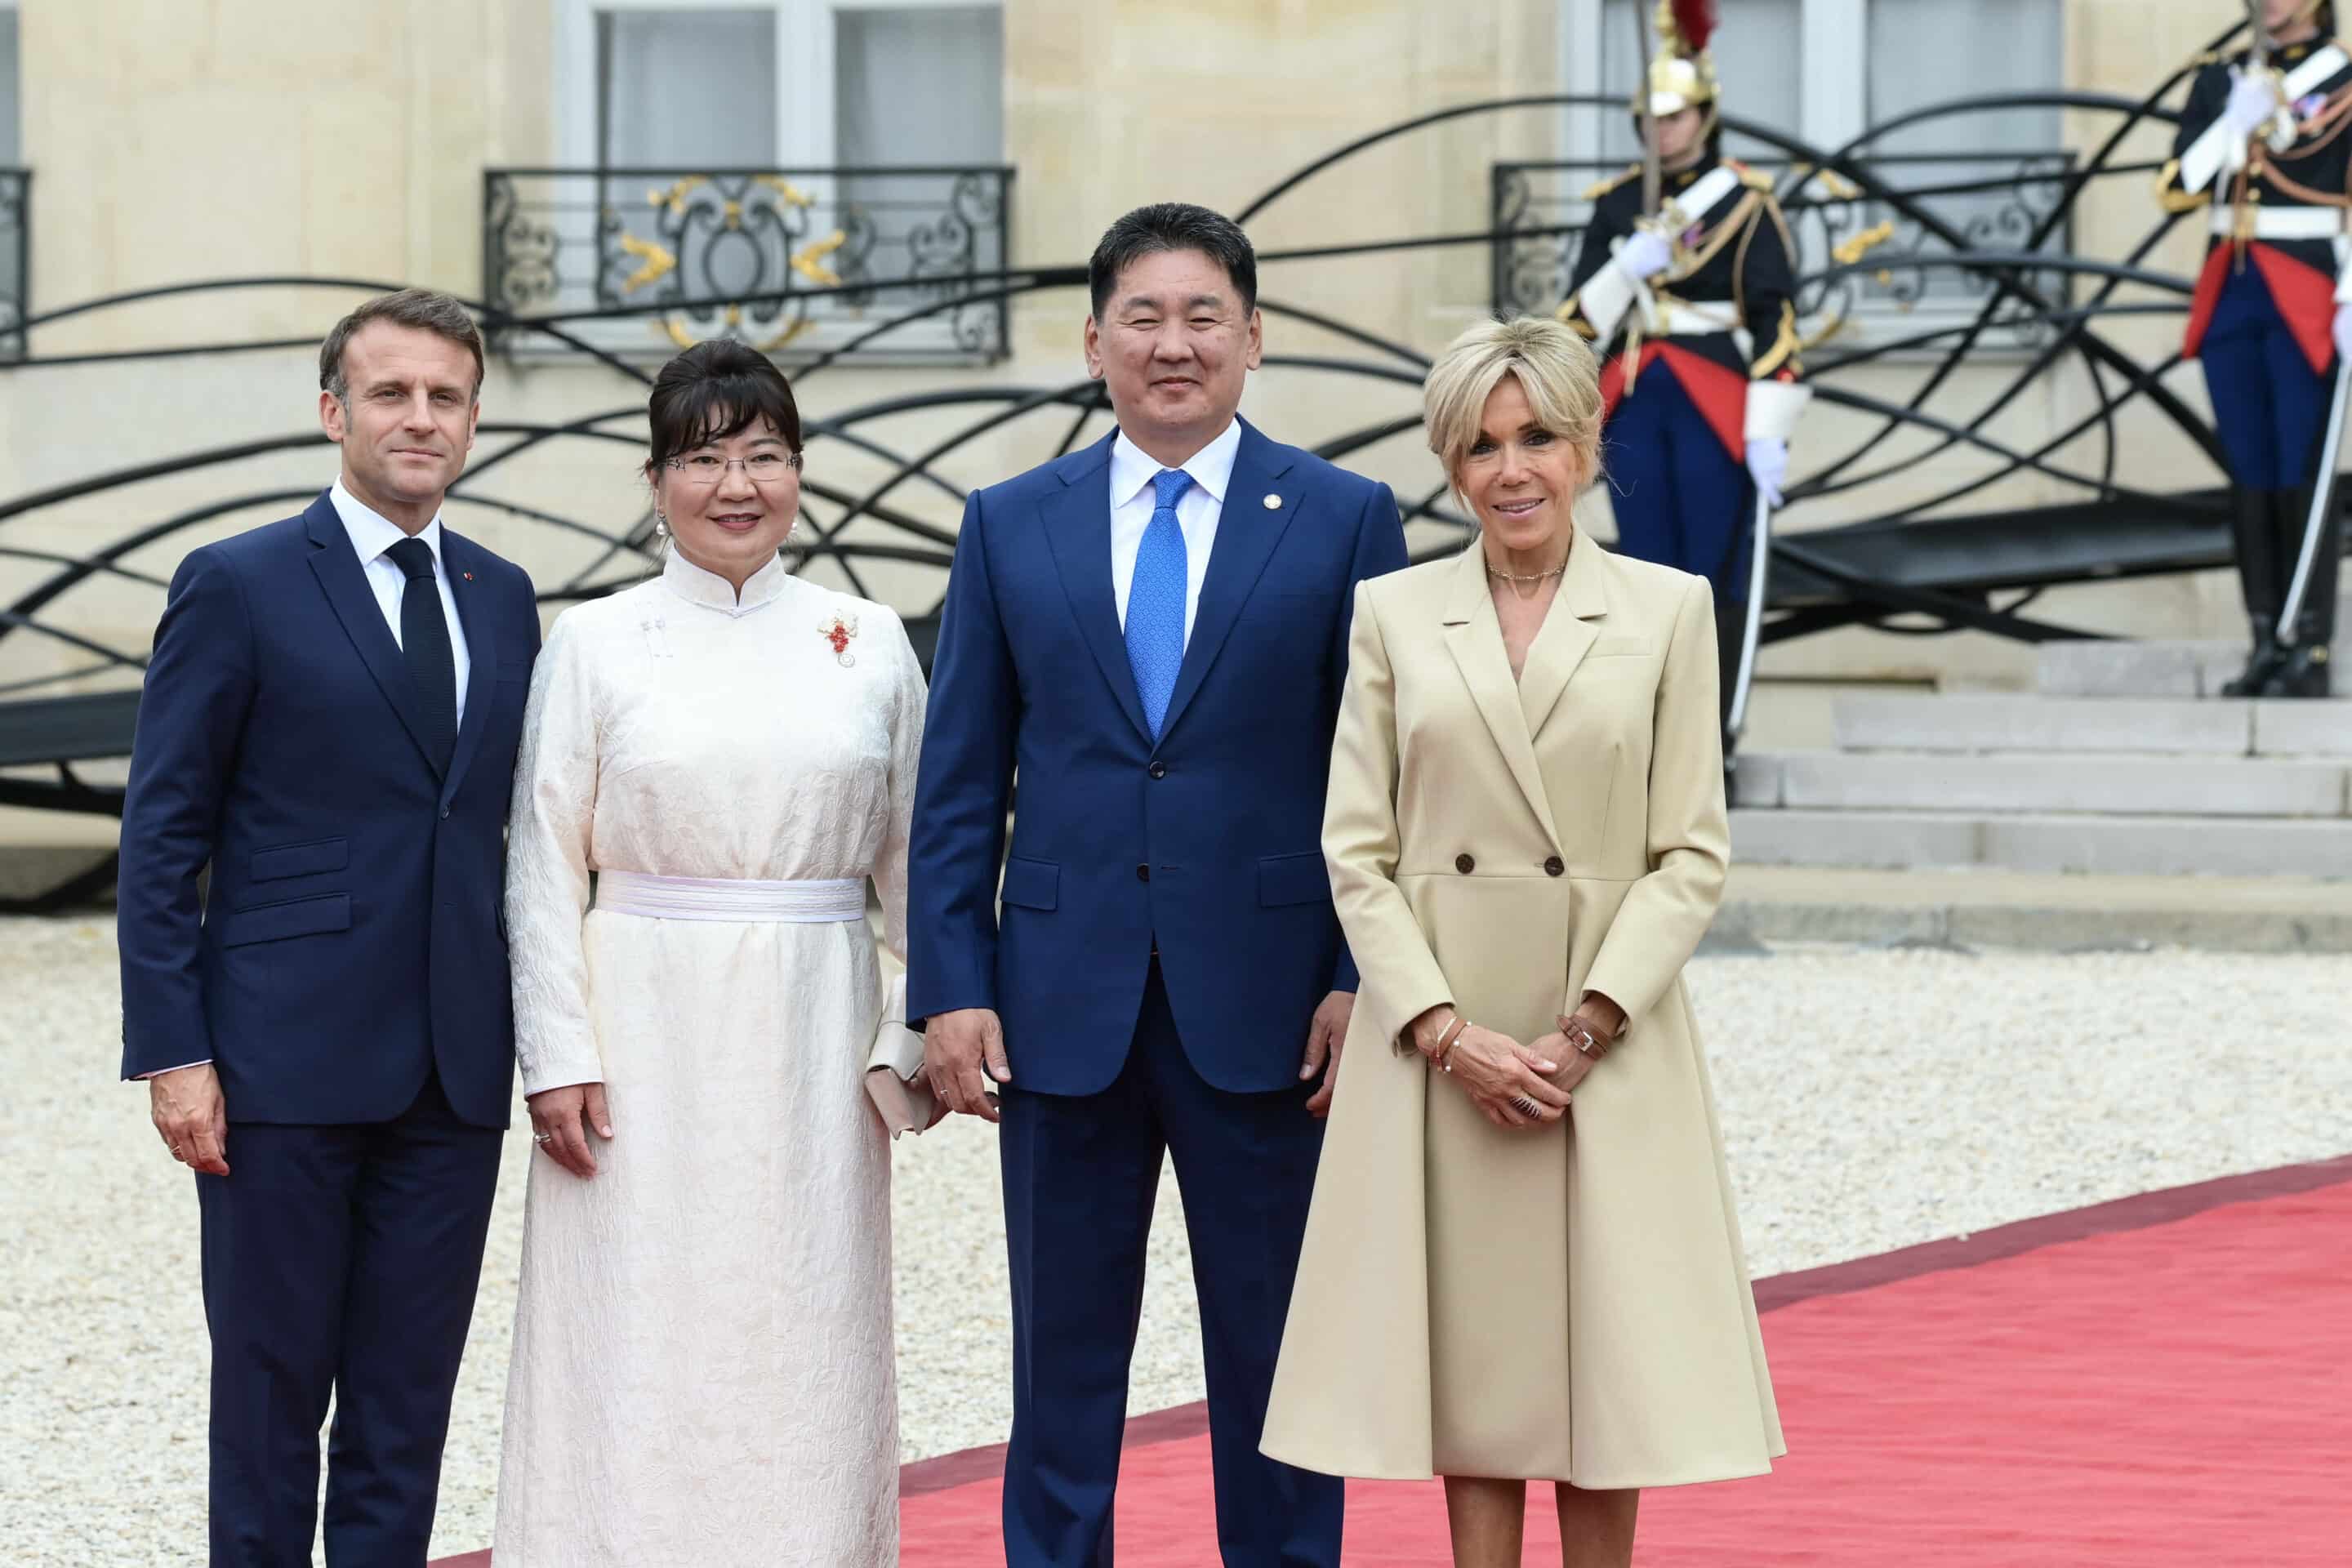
[1143, 873]
[445, 814]
[1159, 769]
[1555, 867]
[1464, 864]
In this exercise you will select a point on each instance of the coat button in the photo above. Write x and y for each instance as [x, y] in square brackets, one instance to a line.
[1555, 867]
[1464, 864]
[1159, 769]
[445, 814]
[1143, 873]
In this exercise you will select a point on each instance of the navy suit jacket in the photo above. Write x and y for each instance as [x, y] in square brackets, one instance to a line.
[350, 937]
[1208, 843]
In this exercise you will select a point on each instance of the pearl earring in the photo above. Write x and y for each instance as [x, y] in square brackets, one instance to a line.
[661, 526]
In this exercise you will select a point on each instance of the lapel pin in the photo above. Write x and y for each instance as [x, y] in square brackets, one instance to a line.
[468, 576]
[1273, 503]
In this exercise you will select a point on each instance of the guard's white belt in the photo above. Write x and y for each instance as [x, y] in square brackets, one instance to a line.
[1678, 321]
[2281, 223]
[728, 898]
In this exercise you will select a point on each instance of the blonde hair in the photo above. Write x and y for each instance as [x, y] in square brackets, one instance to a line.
[1556, 369]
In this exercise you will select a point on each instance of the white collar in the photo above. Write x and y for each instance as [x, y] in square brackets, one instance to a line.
[1211, 468]
[697, 586]
[371, 532]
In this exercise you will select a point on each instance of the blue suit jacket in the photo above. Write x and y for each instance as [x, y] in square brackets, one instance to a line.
[350, 937]
[1208, 843]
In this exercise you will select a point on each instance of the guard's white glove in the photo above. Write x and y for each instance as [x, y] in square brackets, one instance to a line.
[1644, 254]
[2253, 100]
[2343, 332]
[1767, 462]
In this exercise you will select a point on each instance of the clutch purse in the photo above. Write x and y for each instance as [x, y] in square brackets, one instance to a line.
[894, 1069]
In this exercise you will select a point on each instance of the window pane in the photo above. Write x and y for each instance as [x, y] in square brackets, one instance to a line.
[688, 88]
[1924, 52]
[1757, 57]
[10, 152]
[921, 85]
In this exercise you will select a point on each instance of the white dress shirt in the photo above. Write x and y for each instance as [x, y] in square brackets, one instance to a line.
[372, 534]
[1197, 512]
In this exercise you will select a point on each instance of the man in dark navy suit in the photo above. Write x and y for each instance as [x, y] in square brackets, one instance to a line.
[329, 729]
[1153, 634]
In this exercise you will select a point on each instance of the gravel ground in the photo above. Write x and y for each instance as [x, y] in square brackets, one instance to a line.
[1871, 1099]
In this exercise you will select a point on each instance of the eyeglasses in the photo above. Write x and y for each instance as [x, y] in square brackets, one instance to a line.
[708, 467]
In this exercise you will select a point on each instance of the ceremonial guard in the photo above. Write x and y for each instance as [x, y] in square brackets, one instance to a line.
[1688, 261]
[2264, 151]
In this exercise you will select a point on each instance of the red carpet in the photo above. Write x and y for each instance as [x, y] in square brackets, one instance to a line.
[2166, 1380]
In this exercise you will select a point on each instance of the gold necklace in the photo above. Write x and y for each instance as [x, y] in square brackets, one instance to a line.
[1516, 578]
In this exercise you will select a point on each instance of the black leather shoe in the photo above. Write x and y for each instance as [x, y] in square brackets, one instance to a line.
[2305, 672]
[2262, 669]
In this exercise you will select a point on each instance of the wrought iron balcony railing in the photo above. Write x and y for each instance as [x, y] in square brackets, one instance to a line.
[1994, 203]
[15, 260]
[794, 261]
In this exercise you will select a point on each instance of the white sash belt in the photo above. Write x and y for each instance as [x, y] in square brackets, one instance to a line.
[1679, 319]
[728, 898]
[2281, 223]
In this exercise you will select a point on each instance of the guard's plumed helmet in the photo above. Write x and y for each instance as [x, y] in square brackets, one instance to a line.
[1682, 73]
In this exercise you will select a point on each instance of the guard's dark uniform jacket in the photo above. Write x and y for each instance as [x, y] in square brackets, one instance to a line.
[1726, 304]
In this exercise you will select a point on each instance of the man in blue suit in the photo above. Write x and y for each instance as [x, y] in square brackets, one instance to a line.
[329, 728]
[1148, 638]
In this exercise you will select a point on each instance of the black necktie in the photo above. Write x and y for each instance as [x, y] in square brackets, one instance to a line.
[424, 641]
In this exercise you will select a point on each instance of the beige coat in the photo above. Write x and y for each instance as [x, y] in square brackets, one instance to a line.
[1569, 1302]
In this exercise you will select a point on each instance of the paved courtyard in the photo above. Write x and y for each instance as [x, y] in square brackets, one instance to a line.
[1871, 1099]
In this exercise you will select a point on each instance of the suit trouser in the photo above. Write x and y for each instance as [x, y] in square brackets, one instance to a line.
[1080, 1176]
[340, 1260]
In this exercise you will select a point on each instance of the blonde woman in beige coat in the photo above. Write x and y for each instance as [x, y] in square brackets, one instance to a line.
[1527, 839]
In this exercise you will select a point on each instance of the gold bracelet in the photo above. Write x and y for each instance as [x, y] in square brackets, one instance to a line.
[1443, 1054]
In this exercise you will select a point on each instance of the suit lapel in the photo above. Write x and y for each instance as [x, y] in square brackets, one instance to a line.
[1567, 633]
[1474, 634]
[337, 566]
[1247, 532]
[1077, 531]
[458, 559]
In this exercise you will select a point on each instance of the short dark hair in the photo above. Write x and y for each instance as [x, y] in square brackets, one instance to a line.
[425, 308]
[1173, 225]
[713, 390]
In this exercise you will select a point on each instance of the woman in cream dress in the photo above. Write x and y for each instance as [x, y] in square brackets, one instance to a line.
[1526, 838]
[703, 1367]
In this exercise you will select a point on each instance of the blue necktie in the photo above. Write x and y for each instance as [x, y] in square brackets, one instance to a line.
[1155, 601]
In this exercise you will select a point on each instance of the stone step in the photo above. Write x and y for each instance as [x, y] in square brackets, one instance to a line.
[2141, 845]
[2141, 669]
[2303, 729]
[2005, 721]
[2098, 783]
[1984, 907]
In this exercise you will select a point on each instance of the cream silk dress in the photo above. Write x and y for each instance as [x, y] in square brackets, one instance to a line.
[702, 1369]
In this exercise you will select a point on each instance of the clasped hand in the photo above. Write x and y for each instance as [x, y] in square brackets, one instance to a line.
[1514, 1085]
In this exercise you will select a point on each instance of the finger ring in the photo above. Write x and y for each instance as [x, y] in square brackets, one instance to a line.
[543, 1137]
[176, 1154]
[1526, 1106]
